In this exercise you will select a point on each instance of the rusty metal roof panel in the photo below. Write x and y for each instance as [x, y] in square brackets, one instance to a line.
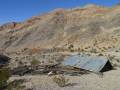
[91, 63]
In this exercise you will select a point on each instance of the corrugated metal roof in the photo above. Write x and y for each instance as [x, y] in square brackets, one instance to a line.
[91, 63]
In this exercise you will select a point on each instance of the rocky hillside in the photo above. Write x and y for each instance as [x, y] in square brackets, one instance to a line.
[89, 26]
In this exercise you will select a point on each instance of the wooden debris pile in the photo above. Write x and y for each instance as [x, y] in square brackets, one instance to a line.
[47, 69]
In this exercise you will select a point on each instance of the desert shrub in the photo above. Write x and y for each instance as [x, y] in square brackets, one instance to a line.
[71, 46]
[117, 51]
[93, 50]
[60, 80]
[82, 50]
[109, 47]
[118, 60]
[4, 76]
[105, 48]
[113, 46]
[71, 50]
[86, 47]
[102, 50]
[35, 62]
[100, 54]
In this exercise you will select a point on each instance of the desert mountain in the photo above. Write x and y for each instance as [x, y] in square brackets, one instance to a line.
[82, 27]
[39, 50]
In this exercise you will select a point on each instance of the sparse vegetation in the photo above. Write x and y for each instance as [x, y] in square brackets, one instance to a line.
[4, 76]
[43, 42]
[100, 54]
[35, 62]
[60, 80]
[93, 50]
[71, 48]
[104, 48]
[117, 51]
[109, 47]
[82, 50]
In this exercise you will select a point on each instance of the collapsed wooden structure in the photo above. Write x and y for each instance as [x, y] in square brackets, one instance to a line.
[72, 64]
[45, 69]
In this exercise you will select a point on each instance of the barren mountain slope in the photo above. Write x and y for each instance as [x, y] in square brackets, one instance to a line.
[81, 27]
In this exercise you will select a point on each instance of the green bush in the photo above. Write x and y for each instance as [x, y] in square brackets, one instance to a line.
[35, 62]
[4, 76]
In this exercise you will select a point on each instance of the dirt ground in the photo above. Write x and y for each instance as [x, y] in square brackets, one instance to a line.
[109, 81]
